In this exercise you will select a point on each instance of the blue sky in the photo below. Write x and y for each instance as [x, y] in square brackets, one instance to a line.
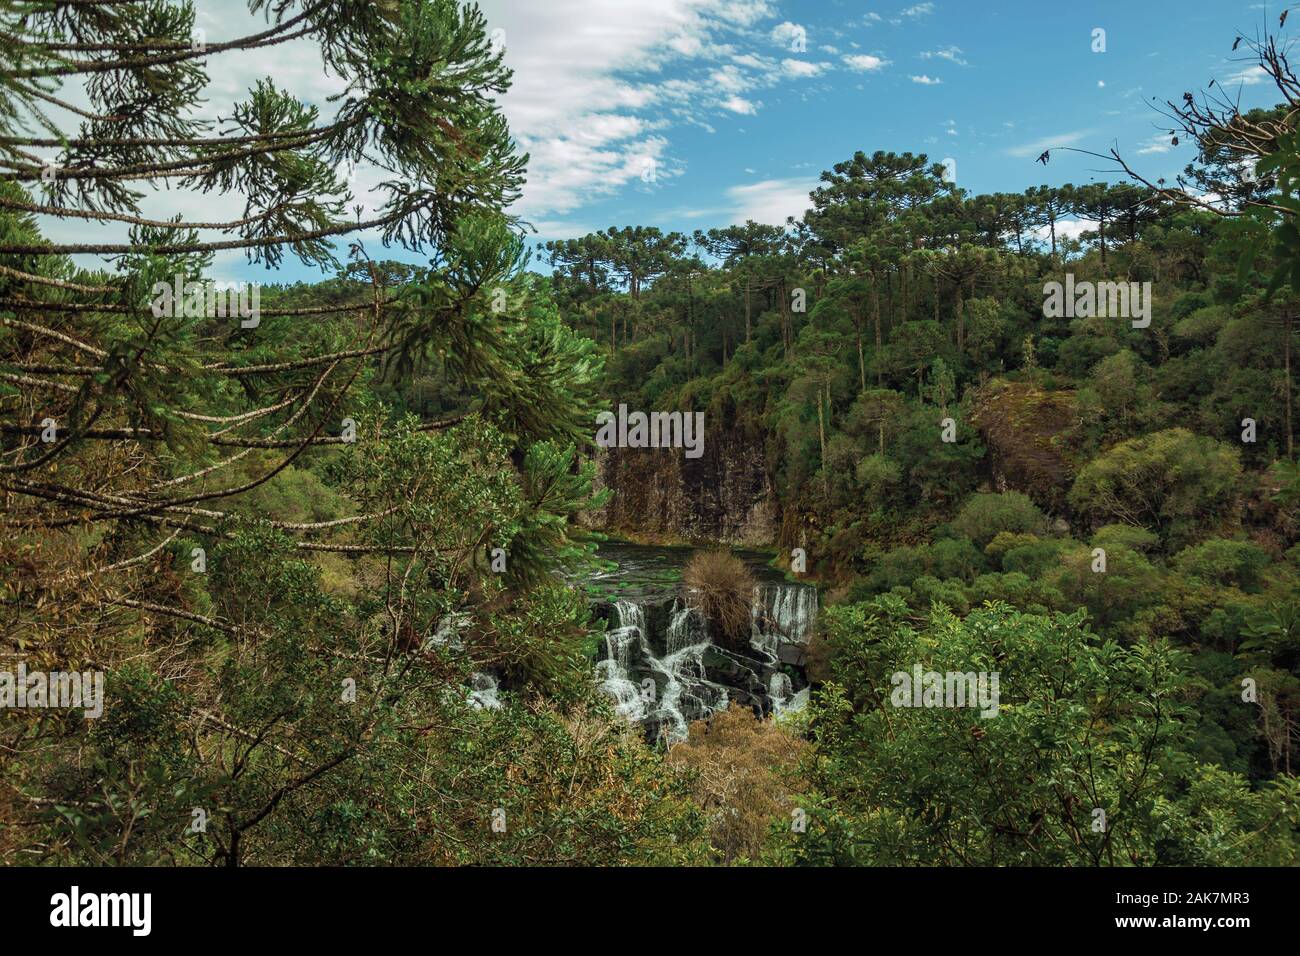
[736, 106]
[740, 117]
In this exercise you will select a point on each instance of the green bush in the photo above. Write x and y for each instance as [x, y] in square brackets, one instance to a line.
[1225, 563]
[984, 516]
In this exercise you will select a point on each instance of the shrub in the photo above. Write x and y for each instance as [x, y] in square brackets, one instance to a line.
[1173, 482]
[1126, 536]
[721, 588]
[955, 558]
[1035, 558]
[1226, 563]
[878, 477]
[743, 778]
[986, 515]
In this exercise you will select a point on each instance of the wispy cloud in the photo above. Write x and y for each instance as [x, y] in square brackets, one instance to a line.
[771, 201]
[952, 54]
[1156, 144]
[599, 85]
[800, 68]
[926, 80]
[1048, 142]
[1250, 76]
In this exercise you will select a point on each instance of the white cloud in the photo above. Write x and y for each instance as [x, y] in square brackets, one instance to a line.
[803, 67]
[864, 62]
[731, 80]
[738, 104]
[1065, 229]
[583, 68]
[926, 80]
[745, 13]
[1250, 76]
[771, 200]
[919, 10]
[593, 99]
[1156, 144]
[787, 33]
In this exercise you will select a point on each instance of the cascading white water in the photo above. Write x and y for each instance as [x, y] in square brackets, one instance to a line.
[483, 691]
[781, 614]
[687, 689]
[613, 670]
[779, 688]
[687, 692]
[792, 610]
[792, 706]
[674, 687]
[685, 629]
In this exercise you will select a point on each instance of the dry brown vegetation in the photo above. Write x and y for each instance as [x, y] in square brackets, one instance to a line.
[743, 777]
[721, 587]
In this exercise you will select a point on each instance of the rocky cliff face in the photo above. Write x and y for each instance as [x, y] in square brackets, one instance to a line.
[660, 494]
[1025, 430]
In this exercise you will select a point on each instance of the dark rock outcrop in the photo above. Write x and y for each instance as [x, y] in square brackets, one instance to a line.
[1026, 430]
[725, 495]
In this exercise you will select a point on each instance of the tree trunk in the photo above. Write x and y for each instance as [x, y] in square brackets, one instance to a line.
[875, 308]
[786, 335]
[1286, 363]
[862, 361]
[747, 331]
[821, 430]
[961, 321]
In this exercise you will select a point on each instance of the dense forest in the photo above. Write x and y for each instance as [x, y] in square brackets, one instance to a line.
[294, 539]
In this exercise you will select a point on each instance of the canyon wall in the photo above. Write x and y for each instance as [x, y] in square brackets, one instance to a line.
[725, 495]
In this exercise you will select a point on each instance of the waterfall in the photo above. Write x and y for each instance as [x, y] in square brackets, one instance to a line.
[778, 688]
[687, 693]
[662, 670]
[685, 629]
[786, 611]
[795, 704]
[483, 691]
[613, 670]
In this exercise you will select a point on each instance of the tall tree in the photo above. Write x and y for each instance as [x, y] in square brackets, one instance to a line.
[739, 247]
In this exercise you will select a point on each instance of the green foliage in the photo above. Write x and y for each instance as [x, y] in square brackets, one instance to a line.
[985, 516]
[1082, 725]
[1173, 482]
[1224, 563]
